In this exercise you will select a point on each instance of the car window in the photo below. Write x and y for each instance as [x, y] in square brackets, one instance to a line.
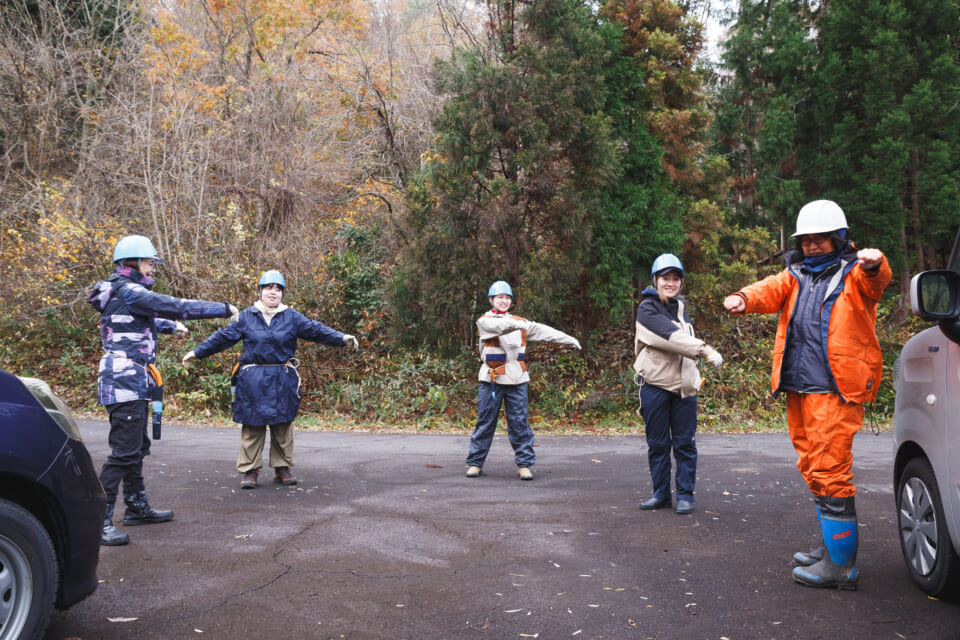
[954, 264]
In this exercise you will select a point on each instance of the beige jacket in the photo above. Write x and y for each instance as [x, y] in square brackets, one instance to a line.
[668, 360]
[511, 350]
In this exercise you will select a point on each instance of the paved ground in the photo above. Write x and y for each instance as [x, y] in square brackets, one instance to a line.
[386, 538]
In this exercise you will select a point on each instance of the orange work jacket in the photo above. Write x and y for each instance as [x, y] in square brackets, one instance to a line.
[850, 313]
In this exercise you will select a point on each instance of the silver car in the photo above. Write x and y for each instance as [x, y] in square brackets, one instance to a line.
[926, 423]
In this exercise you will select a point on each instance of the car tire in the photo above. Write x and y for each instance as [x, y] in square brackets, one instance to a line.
[28, 574]
[924, 538]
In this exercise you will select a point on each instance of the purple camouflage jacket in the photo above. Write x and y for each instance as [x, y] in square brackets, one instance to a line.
[131, 316]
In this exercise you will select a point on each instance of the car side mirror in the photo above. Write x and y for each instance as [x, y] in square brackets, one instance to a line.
[935, 295]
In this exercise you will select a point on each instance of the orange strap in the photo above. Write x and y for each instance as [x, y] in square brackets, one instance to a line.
[155, 374]
[499, 371]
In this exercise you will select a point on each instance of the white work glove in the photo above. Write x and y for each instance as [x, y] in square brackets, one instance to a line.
[180, 331]
[735, 304]
[188, 360]
[576, 344]
[234, 313]
[350, 341]
[714, 358]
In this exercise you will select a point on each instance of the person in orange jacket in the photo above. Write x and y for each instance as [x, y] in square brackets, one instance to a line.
[827, 360]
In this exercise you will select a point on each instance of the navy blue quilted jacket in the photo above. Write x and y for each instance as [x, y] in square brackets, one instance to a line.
[268, 384]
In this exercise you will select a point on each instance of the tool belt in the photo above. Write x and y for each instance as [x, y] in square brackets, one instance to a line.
[502, 369]
[496, 362]
[289, 365]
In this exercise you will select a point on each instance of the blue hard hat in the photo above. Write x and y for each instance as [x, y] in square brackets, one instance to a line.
[272, 277]
[666, 262]
[500, 287]
[135, 247]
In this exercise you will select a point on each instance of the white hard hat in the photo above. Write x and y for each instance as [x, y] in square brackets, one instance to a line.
[820, 216]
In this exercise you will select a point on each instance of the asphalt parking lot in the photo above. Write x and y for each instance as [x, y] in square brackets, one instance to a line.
[384, 537]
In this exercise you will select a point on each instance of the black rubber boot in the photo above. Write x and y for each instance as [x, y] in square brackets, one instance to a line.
[139, 511]
[110, 537]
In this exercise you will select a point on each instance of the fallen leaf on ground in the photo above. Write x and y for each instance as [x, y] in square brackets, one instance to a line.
[122, 619]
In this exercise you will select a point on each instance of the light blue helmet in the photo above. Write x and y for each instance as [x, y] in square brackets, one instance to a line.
[500, 287]
[271, 277]
[135, 247]
[666, 262]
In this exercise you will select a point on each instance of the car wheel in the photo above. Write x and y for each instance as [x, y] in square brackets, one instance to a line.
[28, 574]
[924, 538]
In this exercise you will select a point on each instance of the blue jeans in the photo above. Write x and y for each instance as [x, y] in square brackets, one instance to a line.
[671, 423]
[489, 398]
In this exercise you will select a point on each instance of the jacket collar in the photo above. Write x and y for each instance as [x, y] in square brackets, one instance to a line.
[265, 310]
[121, 271]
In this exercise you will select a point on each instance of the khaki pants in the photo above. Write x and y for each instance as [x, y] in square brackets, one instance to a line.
[252, 438]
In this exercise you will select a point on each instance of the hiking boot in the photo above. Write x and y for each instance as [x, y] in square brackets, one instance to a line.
[249, 480]
[473, 472]
[110, 537]
[525, 473]
[284, 477]
[139, 511]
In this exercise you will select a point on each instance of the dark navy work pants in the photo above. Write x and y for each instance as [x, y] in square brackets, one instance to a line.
[671, 423]
[489, 399]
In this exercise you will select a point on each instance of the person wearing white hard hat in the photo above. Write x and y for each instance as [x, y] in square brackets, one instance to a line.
[503, 379]
[131, 316]
[828, 363]
[267, 380]
[666, 350]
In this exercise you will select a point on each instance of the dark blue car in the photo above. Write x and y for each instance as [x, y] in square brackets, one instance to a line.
[51, 509]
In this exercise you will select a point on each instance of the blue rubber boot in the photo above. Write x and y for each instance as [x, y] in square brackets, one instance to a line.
[838, 568]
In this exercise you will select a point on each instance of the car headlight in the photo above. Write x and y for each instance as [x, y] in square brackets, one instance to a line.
[54, 406]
